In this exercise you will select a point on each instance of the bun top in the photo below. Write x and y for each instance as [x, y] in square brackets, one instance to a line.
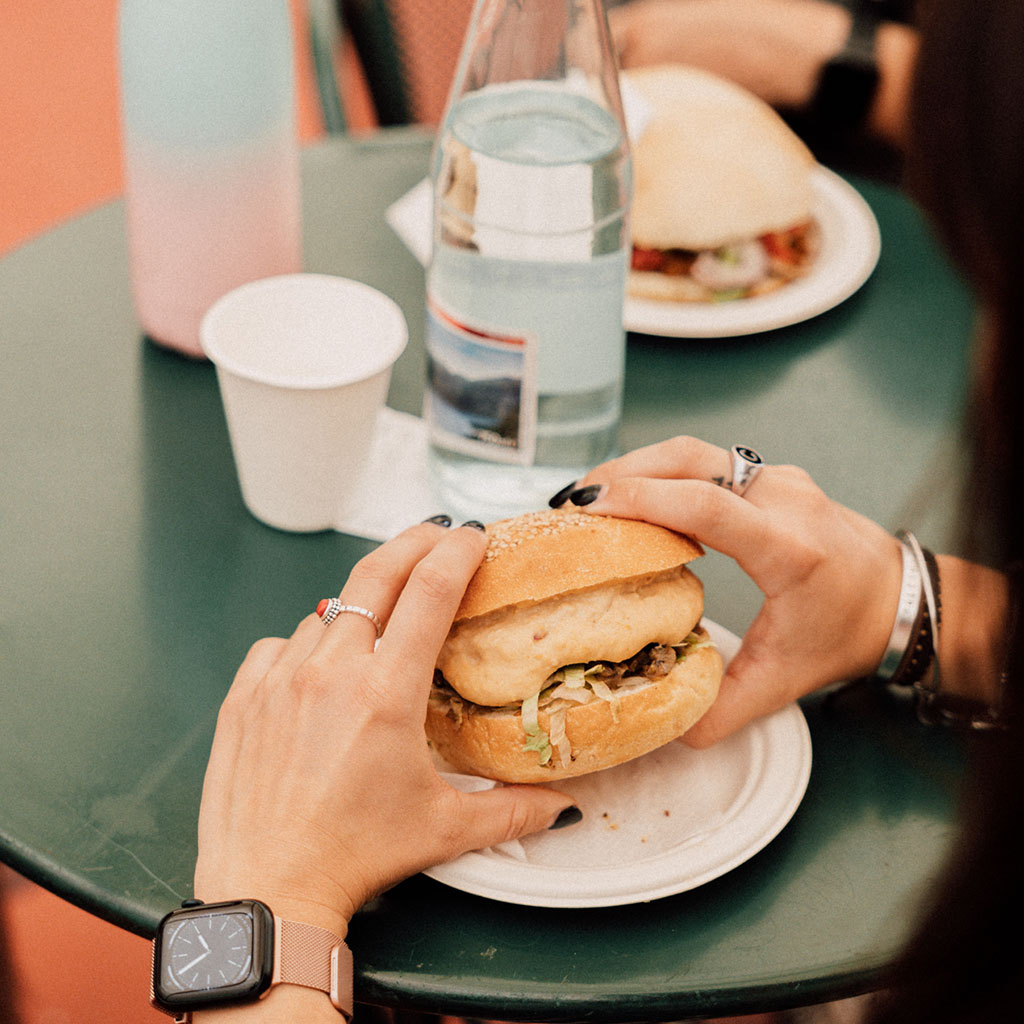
[713, 163]
[555, 552]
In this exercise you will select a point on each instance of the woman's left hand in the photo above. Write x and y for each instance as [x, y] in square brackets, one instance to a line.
[320, 790]
[830, 576]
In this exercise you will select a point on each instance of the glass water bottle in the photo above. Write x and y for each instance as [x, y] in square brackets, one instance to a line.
[525, 287]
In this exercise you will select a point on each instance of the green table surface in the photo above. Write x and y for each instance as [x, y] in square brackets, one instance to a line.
[132, 581]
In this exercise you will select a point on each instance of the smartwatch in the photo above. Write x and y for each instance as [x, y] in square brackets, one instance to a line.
[848, 81]
[221, 954]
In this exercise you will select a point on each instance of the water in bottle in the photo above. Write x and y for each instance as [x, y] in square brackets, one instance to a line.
[525, 286]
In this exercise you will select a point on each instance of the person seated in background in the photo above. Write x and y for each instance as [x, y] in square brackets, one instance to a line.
[320, 791]
[839, 72]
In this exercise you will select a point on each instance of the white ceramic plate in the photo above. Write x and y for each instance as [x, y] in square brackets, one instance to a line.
[850, 244]
[660, 825]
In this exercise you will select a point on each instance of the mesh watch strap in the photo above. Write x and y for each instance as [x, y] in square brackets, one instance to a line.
[314, 958]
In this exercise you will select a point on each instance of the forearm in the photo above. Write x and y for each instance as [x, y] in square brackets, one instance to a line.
[973, 633]
[792, 79]
[774, 48]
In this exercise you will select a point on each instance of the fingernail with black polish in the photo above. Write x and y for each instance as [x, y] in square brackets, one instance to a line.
[476, 524]
[441, 520]
[570, 816]
[585, 495]
[562, 496]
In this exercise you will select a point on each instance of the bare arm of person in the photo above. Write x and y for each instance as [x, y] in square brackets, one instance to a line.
[320, 790]
[774, 48]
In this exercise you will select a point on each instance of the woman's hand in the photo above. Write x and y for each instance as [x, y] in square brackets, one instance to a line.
[320, 790]
[830, 577]
[773, 48]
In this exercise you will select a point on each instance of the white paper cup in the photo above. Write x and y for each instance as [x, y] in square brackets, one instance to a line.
[303, 362]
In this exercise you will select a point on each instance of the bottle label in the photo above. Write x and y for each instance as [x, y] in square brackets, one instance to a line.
[481, 396]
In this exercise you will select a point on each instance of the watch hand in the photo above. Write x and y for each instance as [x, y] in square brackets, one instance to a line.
[202, 956]
[199, 936]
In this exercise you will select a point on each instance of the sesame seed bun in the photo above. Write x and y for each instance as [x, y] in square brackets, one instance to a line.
[556, 552]
[561, 588]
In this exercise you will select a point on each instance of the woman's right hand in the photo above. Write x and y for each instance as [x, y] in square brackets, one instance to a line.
[830, 577]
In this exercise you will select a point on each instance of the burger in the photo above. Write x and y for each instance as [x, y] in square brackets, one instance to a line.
[578, 645]
[722, 193]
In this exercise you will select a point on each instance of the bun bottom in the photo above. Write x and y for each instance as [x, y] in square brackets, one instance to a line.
[652, 284]
[649, 714]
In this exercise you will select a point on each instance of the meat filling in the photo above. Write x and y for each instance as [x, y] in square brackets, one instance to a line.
[655, 661]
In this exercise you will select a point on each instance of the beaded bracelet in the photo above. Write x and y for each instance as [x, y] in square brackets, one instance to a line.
[933, 706]
[913, 647]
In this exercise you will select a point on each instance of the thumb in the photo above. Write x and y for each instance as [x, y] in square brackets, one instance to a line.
[509, 812]
[749, 689]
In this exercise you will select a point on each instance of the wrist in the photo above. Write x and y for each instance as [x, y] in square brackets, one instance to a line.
[882, 577]
[846, 81]
[974, 640]
[902, 625]
[784, 48]
[288, 908]
[949, 639]
[293, 894]
[284, 1004]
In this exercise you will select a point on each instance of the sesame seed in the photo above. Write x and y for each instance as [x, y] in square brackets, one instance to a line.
[509, 534]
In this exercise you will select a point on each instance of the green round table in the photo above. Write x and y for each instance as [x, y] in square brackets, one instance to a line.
[132, 581]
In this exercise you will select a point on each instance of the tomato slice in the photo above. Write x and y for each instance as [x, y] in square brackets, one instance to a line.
[787, 246]
[647, 259]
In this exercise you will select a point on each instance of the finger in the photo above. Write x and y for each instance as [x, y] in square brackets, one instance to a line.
[748, 690]
[712, 515]
[424, 612]
[257, 662]
[375, 584]
[507, 812]
[684, 458]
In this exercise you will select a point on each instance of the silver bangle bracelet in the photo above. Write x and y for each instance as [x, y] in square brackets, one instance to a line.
[907, 538]
[911, 589]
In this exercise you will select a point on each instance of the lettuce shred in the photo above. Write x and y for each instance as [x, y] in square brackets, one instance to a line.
[537, 738]
[579, 684]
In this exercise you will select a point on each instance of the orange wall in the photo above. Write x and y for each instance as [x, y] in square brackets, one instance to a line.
[59, 135]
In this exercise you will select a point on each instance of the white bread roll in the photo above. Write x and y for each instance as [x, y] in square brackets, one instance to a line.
[565, 587]
[648, 714]
[714, 164]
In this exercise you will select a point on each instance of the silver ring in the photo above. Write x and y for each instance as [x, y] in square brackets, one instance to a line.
[746, 464]
[335, 608]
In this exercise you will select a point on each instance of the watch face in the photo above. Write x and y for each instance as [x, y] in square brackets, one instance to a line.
[213, 953]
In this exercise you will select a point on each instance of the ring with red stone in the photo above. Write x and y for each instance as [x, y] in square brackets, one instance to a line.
[331, 607]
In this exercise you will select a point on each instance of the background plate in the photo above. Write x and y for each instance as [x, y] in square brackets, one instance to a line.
[850, 245]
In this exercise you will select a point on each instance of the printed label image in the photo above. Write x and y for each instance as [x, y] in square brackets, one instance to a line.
[481, 390]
